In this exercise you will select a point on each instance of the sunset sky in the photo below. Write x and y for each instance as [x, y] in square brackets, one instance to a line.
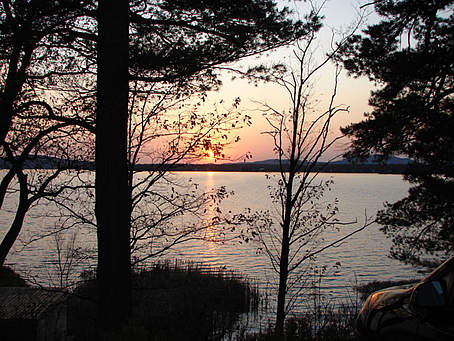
[339, 14]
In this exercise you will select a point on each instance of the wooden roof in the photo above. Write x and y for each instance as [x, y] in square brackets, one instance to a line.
[26, 302]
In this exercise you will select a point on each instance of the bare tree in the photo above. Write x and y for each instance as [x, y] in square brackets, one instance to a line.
[166, 127]
[163, 131]
[30, 137]
[302, 136]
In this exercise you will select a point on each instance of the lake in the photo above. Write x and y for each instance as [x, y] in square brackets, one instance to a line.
[363, 257]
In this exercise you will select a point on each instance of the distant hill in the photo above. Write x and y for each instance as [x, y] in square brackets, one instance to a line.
[269, 162]
[372, 160]
[394, 165]
[393, 160]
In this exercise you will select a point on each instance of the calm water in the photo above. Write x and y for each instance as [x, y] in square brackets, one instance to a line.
[363, 257]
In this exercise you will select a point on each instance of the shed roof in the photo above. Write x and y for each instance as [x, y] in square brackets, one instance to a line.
[26, 302]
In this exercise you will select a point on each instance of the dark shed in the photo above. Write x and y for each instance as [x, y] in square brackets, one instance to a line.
[32, 314]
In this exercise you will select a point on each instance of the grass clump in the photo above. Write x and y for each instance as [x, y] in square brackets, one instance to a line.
[173, 302]
[189, 302]
[327, 324]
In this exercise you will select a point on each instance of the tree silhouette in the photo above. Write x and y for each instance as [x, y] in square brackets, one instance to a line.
[302, 136]
[409, 54]
[37, 46]
[112, 191]
[168, 42]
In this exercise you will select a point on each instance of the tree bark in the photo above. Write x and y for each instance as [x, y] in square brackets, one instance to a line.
[112, 191]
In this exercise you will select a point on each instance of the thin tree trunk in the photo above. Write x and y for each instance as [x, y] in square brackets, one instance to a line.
[283, 276]
[7, 178]
[285, 250]
[112, 190]
[285, 245]
[16, 226]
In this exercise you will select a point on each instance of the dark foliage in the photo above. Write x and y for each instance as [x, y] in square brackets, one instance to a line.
[172, 303]
[175, 39]
[410, 54]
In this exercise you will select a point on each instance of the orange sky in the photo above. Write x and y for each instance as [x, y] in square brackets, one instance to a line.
[351, 92]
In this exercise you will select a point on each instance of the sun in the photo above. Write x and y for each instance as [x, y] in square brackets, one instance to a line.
[210, 155]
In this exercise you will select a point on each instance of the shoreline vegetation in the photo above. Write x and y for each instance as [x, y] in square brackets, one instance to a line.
[393, 166]
[171, 301]
[188, 301]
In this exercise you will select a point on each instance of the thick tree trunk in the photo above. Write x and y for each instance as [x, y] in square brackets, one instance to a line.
[9, 94]
[21, 54]
[112, 190]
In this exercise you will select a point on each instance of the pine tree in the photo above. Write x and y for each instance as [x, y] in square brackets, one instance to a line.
[409, 54]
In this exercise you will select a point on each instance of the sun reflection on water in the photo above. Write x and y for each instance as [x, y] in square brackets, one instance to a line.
[211, 254]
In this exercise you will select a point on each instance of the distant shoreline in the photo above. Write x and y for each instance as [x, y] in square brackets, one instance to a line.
[257, 167]
[42, 162]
